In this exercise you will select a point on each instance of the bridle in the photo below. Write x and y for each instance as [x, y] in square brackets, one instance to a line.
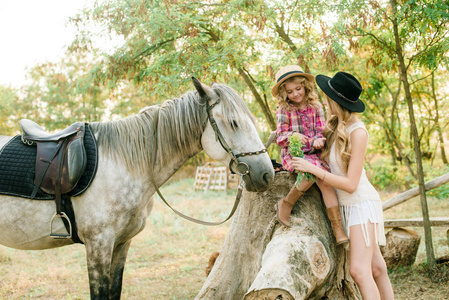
[242, 168]
[220, 138]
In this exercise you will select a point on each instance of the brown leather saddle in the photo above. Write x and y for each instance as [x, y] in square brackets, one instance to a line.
[60, 162]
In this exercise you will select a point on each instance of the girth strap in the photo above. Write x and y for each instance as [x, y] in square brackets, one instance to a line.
[58, 182]
[67, 207]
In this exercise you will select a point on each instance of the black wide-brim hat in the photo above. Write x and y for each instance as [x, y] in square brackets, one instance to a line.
[344, 89]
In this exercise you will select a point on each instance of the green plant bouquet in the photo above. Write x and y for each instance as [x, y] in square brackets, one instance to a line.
[295, 150]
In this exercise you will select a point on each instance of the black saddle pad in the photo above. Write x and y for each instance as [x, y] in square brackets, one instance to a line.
[17, 166]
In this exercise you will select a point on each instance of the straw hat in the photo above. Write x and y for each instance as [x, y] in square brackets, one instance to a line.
[286, 72]
[344, 89]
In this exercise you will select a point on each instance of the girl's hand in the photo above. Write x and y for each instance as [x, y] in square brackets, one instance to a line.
[301, 137]
[300, 164]
[319, 143]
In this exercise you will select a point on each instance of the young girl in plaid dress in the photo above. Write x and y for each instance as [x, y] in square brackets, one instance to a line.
[300, 113]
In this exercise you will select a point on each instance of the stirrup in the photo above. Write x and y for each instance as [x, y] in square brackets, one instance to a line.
[62, 215]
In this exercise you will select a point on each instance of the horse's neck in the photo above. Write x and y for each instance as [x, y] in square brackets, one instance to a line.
[164, 172]
[164, 169]
[135, 141]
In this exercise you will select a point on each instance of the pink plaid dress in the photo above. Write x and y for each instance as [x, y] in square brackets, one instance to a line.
[310, 122]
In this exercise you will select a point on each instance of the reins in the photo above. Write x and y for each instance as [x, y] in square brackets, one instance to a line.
[242, 168]
[219, 136]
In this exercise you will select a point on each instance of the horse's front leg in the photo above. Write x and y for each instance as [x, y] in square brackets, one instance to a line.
[117, 267]
[99, 255]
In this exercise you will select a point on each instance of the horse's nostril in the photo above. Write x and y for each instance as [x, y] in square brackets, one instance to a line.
[267, 178]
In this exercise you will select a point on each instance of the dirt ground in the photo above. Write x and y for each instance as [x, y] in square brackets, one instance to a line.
[414, 283]
[167, 260]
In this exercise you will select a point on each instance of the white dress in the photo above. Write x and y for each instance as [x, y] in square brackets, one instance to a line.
[364, 204]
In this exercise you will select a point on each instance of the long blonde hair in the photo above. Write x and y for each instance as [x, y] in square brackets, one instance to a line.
[335, 132]
[311, 96]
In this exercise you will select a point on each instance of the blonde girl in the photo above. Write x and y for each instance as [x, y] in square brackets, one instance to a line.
[360, 204]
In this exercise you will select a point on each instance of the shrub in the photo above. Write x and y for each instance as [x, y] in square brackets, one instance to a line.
[386, 176]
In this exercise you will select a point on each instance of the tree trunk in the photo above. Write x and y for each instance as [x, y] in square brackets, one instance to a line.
[260, 259]
[401, 248]
[414, 134]
[286, 38]
[265, 109]
[437, 122]
[249, 82]
[392, 129]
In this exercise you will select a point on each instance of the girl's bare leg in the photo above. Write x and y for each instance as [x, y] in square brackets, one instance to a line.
[380, 274]
[361, 260]
[328, 192]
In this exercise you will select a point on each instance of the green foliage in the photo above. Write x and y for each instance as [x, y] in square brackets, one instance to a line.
[9, 104]
[386, 177]
[441, 192]
[295, 148]
[422, 40]
[243, 43]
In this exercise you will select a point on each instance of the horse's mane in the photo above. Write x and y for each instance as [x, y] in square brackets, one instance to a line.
[181, 122]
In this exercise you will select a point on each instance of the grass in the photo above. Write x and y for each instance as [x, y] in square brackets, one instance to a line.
[417, 282]
[412, 209]
[167, 260]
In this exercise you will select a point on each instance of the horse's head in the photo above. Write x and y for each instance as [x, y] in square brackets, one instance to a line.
[231, 137]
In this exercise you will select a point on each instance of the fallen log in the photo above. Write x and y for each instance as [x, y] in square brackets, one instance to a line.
[260, 259]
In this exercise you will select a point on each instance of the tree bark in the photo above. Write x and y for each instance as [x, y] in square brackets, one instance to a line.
[249, 82]
[260, 259]
[391, 135]
[437, 122]
[401, 248]
[416, 222]
[286, 38]
[265, 109]
[414, 133]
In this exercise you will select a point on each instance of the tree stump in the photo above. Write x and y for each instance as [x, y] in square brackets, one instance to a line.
[260, 259]
[401, 248]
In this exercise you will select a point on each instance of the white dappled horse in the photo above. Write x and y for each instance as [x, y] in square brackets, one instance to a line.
[115, 206]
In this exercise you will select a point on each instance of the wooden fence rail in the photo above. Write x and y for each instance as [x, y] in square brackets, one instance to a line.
[416, 222]
[415, 192]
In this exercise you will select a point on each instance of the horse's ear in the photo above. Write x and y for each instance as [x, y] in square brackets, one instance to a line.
[203, 90]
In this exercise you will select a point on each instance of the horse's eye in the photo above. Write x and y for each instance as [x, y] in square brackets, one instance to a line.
[234, 124]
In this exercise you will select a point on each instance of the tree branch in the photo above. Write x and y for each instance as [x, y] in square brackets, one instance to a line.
[153, 48]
